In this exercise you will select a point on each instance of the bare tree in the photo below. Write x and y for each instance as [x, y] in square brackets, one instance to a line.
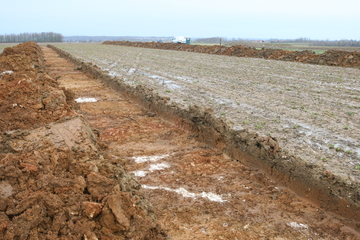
[36, 37]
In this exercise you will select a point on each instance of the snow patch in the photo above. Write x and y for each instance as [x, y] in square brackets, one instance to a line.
[139, 173]
[182, 191]
[83, 99]
[131, 71]
[298, 226]
[159, 166]
[6, 72]
[149, 158]
[212, 196]
[114, 74]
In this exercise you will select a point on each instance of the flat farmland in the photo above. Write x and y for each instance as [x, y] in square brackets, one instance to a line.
[312, 111]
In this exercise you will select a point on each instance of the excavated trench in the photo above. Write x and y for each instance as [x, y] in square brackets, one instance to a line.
[55, 181]
[193, 169]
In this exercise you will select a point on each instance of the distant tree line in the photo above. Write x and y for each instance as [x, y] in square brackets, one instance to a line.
[36, 37]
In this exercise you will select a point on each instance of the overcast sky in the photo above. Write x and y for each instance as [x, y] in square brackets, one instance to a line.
[284, 19]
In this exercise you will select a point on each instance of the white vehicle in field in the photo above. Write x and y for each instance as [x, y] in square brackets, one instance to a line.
[179, 39]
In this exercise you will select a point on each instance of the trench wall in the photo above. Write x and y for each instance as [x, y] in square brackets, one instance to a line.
[328, 191]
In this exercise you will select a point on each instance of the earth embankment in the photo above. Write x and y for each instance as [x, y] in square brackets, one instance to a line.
[330, 57]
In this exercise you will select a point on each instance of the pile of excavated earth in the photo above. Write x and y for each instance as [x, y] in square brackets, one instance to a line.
[56, 182]
[330, 57]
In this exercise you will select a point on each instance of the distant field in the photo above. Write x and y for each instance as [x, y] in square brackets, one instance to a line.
[5, 45]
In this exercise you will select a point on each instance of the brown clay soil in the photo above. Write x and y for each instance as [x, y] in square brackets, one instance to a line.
[330, 57]
[55, 181]
[197, 191]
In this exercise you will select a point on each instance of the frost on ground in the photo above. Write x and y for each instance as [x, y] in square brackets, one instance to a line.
[311, 110]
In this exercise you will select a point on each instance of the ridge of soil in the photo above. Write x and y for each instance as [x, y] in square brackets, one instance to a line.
[29, 97]
[55, 180]
[333, 193]
[330, 57]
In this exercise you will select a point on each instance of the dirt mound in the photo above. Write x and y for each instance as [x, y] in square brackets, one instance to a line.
[338, 58]
[28, 96]
[299, 56]
[55, 181]
[330, 57]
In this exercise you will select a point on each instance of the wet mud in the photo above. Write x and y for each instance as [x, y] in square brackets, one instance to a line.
[330, 57]
[184, 163]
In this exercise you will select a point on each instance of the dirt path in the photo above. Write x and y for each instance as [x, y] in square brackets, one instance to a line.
[197, 192]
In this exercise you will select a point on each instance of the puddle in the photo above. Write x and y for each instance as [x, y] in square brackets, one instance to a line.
[182, 191]
[84, 100]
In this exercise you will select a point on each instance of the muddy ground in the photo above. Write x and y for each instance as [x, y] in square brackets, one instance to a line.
[55, 180]
[183, 178]
[329, 57]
